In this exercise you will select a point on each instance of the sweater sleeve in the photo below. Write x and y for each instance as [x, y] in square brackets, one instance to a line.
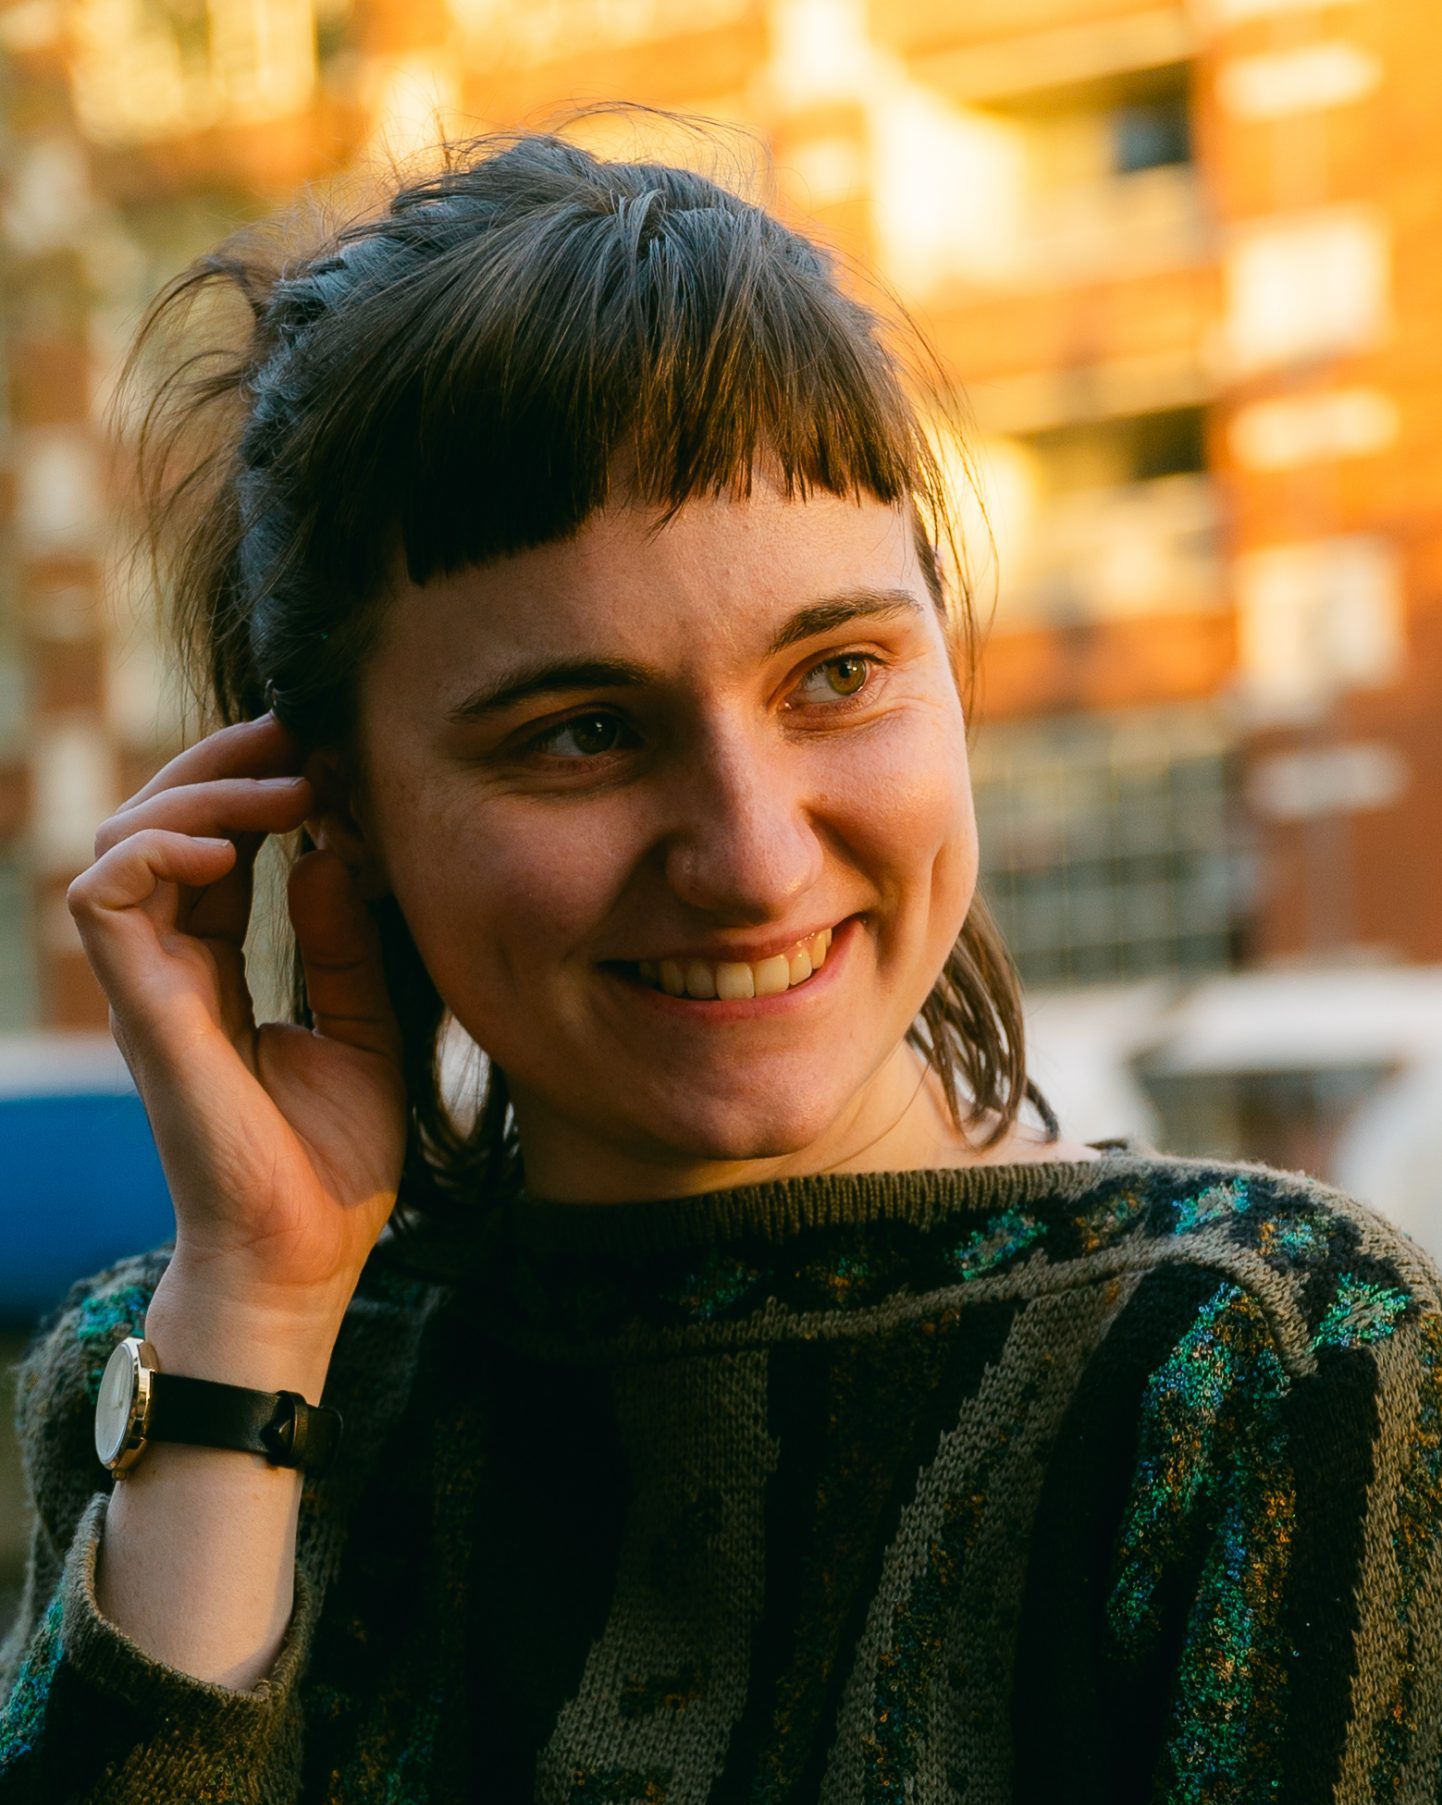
[1235, 1578]
[1302, 1552]
[88, 1718]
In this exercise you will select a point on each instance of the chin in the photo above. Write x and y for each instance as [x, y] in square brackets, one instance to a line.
[764, 1131]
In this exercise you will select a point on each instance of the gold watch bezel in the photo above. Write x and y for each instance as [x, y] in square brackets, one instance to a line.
[136, 1358]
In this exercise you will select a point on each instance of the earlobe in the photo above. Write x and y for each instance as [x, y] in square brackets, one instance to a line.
[336, 827]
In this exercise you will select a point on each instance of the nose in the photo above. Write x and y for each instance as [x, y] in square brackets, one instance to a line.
[743, 844]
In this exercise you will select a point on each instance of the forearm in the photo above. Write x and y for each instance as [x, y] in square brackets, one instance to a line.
[197, 1562]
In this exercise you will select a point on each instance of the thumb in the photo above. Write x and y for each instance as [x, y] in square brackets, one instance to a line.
[340, 952]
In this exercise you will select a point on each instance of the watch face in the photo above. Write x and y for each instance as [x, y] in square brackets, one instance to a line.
[112, 1407]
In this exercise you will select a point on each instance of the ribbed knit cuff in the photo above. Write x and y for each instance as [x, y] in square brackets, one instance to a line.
[103, 1655]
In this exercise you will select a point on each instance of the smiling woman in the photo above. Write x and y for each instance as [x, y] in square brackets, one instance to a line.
[483, 433]
[679, 761]
[757, 1398]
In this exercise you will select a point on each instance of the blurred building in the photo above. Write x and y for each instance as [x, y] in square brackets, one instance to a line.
[1194, 310]
[1184, 258]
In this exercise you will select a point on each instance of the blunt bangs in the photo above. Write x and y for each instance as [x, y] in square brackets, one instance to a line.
[505, 363]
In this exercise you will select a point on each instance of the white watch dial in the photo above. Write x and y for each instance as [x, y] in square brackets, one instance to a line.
[113, 1406]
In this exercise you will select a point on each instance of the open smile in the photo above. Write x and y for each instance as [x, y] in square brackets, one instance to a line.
[731, 980]
[719, 982]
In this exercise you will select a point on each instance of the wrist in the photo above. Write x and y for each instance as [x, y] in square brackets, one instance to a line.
[205, 1332]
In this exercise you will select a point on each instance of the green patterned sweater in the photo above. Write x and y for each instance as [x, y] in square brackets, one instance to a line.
[1082, 1483]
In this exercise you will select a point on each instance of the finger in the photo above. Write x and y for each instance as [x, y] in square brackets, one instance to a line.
[237, 805]
[262, 747]
[340, 951]
[145, 874]
[246, 808]
[222, 911]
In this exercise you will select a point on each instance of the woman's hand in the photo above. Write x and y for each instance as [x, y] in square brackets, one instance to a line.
[282, 1144]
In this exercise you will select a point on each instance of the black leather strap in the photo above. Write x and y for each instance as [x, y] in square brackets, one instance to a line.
[278, 1424]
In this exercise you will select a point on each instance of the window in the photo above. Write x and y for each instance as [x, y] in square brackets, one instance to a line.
[1318, 617]
[1109, 519]
[1128, 448]
[1111, 845]
[1151, 134]
[1302, 287]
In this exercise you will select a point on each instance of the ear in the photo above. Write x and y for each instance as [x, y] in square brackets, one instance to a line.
[336, 824]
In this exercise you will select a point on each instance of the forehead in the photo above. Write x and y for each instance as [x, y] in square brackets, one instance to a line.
[715, 579]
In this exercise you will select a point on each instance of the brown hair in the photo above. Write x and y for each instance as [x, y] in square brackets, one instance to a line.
[454, 377]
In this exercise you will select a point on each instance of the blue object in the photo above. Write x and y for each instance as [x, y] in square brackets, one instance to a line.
[80, 1186]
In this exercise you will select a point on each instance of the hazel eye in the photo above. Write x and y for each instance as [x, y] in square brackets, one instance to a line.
[845, 675]
[848, 675]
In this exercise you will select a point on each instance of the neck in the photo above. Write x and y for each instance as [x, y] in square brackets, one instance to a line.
[900, 1123]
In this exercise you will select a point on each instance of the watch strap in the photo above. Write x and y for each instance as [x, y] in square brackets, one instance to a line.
[278, 1424]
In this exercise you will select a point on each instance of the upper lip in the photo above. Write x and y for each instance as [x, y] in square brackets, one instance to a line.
[745, 952]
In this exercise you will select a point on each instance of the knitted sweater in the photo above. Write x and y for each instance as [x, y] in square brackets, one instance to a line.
[1082, 1483]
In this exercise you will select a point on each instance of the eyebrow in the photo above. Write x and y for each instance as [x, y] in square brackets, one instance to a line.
[559, 676]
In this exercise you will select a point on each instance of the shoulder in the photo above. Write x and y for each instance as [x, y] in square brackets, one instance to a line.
[1323, 1269]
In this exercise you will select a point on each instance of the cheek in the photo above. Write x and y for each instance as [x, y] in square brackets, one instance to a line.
[499, 893]
[920, 806]
[910, 796]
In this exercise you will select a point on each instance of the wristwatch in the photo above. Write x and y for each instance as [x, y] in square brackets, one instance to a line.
[139, 1404]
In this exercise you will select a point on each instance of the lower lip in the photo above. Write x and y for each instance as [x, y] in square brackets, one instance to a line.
[748, 1009]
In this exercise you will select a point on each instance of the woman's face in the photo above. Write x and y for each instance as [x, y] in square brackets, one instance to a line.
[642, 759]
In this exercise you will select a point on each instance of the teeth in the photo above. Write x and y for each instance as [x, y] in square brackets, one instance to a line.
[773, 976]
[733, 979]
[734, 982]
[700, 980]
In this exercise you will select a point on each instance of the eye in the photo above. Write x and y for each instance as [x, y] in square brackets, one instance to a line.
[584, 736]
[843, 676]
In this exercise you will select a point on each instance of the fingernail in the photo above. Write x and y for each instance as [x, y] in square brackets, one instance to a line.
[281, 783]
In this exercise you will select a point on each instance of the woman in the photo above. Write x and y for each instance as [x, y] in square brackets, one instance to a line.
[749, 1404]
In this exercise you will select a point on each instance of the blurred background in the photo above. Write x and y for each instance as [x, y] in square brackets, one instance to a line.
[1184, 259]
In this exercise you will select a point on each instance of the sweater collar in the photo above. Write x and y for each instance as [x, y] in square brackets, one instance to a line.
[776, 1210]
